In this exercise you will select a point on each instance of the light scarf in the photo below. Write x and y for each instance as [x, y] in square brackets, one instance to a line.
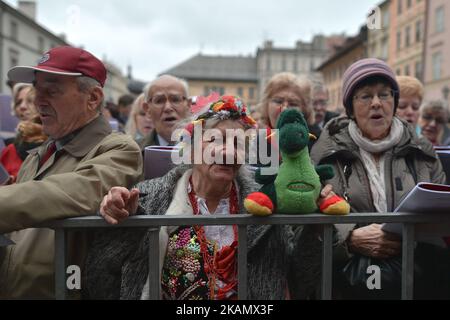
[375, 169]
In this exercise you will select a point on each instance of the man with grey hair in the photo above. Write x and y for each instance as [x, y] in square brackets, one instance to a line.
[166, 101]
[320, 99]
[67, 176]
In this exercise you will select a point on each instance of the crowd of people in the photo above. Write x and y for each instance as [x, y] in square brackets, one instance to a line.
[67, 161]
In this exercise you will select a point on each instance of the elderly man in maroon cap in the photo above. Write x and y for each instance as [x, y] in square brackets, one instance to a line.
[67, 176]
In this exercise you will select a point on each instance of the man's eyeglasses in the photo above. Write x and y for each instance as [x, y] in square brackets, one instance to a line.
[429, 117]
[367, 98]
[320, 103]
[160, 100]
[290, 103]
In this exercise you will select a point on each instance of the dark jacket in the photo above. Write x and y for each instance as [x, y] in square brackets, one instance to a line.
[117, 265]
[150, 139]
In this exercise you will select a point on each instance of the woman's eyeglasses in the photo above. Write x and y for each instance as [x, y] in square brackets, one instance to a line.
[367, 98]
[290, 103]
[160, 100]
[429, 117]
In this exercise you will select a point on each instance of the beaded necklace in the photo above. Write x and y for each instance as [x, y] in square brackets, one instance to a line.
[224, 269]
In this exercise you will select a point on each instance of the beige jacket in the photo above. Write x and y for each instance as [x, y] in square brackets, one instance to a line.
[71, 183]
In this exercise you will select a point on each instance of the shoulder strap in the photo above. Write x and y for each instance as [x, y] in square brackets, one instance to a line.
[411, 167]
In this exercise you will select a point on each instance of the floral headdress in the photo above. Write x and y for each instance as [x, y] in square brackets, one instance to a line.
[222, 108]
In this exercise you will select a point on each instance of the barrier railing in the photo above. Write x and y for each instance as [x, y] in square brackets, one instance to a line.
[154, 223]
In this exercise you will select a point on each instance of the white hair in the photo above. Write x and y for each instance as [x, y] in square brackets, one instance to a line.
[148, 86]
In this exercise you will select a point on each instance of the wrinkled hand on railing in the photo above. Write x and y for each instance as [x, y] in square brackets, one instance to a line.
[119, 204]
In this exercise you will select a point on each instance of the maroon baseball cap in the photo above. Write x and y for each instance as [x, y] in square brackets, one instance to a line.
[63, 60]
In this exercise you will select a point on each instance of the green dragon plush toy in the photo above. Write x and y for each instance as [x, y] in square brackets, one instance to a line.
[296, 188]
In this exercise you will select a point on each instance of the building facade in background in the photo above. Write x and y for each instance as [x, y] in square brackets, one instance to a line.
[378, 38]
[407, 37]
[247, 76]
[116, 83]
[437, 50]
[333, 69]
[301, 60]
[223, 74]
[22, 39]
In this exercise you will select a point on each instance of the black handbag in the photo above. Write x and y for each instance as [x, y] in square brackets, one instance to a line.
[431, 275]
[356, 275]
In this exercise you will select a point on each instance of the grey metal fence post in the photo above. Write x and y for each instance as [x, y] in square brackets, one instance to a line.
[327, 262]
[242, 262]
[153, 268]
[60, 264]
[408, 262]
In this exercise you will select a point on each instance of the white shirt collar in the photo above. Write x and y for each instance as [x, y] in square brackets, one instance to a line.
[162, 141]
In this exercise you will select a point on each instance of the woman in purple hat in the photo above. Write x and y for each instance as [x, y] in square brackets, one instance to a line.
[377, 159]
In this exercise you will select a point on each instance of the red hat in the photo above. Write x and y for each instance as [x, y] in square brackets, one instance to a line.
[64, 60]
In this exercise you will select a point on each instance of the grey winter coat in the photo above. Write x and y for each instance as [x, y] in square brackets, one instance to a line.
[117, 266]
[413, 160]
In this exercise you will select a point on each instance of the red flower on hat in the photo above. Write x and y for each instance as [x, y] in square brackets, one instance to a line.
[230, 103]
[228, 99]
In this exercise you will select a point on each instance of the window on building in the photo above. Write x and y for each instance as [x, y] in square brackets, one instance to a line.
[283, 64]
[222, 91]
[13, 58]
[407, 36]
[399, 7]
[240, 92]
[295, 65]
[14, 31]
[419, 31]
[384, 49]
[268, 64]
[373, 50]
[399, 72]
[251, 93]
[437, 66]
[399, 40]
[418, 71]
[440, 19]
[41, 45]
[409, 4]
[407, 70]
[386, 17]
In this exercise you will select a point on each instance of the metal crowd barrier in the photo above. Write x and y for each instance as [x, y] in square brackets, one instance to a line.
[154, 223]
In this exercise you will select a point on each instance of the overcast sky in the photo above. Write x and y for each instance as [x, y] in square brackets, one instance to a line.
[154, 36]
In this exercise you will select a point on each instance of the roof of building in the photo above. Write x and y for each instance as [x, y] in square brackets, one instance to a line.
[216, 68]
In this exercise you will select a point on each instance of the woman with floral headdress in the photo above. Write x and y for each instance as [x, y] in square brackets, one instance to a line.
[200, 262]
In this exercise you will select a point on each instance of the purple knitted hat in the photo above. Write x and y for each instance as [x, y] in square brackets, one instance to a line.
[362, 70]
